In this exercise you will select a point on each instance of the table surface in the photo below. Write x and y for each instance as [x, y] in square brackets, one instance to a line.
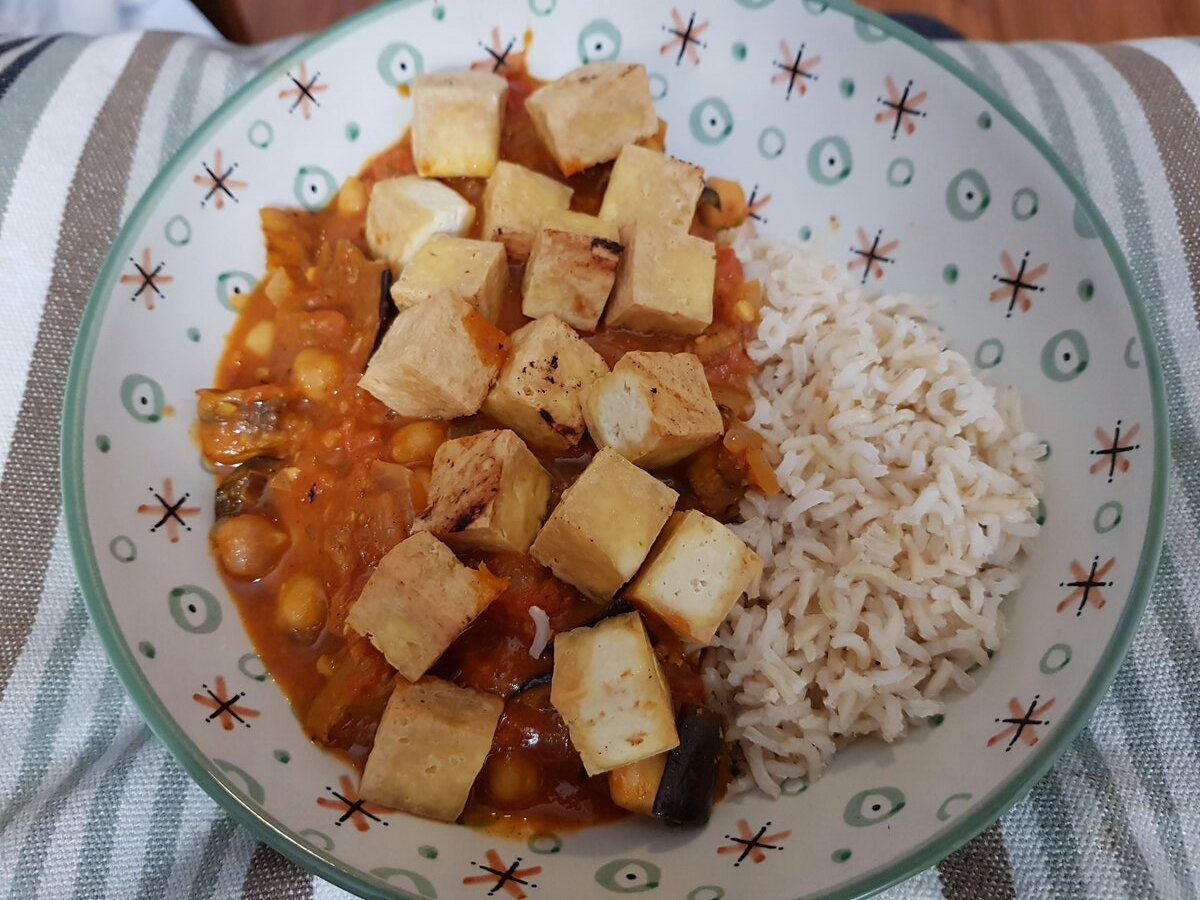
[1086, 21]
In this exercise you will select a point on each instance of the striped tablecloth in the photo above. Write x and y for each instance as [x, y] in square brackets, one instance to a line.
[91, 806]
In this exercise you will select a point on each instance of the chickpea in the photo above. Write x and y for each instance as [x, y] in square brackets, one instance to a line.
[302, 606]
[248, 546]
[417, 442]
[315, 373]
[260, 338]
[512, 780]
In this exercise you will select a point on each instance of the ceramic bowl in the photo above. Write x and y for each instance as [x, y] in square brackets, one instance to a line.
[852, 136]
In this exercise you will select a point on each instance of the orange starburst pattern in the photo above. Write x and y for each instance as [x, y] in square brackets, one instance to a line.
[225, 707]
[794, 69]
[1018, 282]
[872, 254]
[685, 38]
[149, 279]
[303, 92]
[1112, 451]
[351, 807]
[901, 107]
[218, 181]
[750, 844]
[510, 877]
[171, 513]
[1021, 723]
[500, 53]
[1086, 587]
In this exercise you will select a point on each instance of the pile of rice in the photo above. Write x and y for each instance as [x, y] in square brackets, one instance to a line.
[909, 490]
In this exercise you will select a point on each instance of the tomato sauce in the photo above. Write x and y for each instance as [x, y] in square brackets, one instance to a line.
[329, 480]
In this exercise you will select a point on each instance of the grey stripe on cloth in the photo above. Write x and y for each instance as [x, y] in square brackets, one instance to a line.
[179, 113]
[163, 843]
[978, 871]
[273, 877]
[220, 833]
[29, 487]
[13, 71]
[1054, 113]
[23, 108]
[1175, 124]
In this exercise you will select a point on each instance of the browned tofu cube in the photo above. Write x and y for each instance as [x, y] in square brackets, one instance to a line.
[475, 271]
[456, 123]
[653, 408]
[585, 117]
[488, 492]
[571, 269]
[437, 361]
[539, 393]
[431, 743]
[515, 201]
[665, 281]
[694, 575]
[403, 213]
[648, 186]
[609, 689]
[604, 525]
[418, 600]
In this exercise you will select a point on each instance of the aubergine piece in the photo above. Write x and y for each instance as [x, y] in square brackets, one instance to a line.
[387, 308]
[244, 490]
[688, 787]
[239, 425]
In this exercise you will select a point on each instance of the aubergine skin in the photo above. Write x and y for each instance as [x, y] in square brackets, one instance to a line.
[688, 787]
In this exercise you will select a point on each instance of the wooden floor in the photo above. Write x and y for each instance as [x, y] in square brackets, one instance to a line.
[1090, 21]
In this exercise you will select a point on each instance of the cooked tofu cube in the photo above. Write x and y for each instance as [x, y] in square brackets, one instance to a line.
[456, 123]
[418, 600]
[653, 408]
[487, 492]
[514, 203]
[588, 115]
[403, 213]
[604, 525]
[648, 186]
[571, 269]
[430, 745]
[539, 393]
[665, 281]
[694, 575]
[633, 787]
[437, 361]
[476, 271]
[609, 689]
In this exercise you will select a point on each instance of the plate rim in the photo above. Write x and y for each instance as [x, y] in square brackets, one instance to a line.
[272, 832]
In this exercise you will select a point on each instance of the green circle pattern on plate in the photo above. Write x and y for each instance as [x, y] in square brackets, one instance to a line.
[599, 41]
[143, 398]
[711, 121]
[260, 134]
[252, 666]
[989, 354]
[1055, 659]
[771, 142]
[900, 172]
[103, 444]
[1107, 517]
[194, 609]
[234, 284]
[1065, 356]
[254, 790]
[314, 187]
[177, 231]
[545, 842]
[658, 85]
[872, 806]
[830, 161]
[629, 876]
[123, 549]
[1024, 204]
[706, 892]
[968, 195]
[400, 63]
[949, 273]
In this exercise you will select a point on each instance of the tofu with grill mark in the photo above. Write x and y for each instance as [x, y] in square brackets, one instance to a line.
[571, 269]
[609, 689]
[431, 744]
[585, 117]
[487, 493]
[648, 186]
[403, 213]
[653, 408]
[665, 281]
[418, 600]
[437, 361]
[475, 271]
[695, 574]
[515, 201]
[456, 123]
[539, 393]
[604, 525]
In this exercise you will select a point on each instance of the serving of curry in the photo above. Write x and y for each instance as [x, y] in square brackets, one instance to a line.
[323, 479]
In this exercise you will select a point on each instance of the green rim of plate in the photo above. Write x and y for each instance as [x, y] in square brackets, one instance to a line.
[294, 847]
